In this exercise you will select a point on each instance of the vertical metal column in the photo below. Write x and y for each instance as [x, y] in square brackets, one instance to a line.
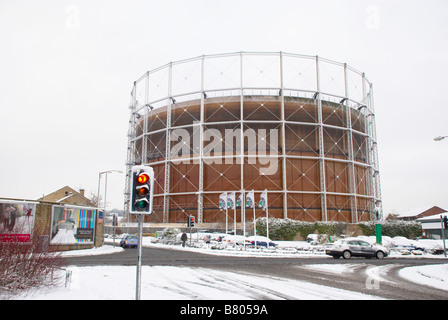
[201, 148]
[351, 164]
[323, 192]
[166, 195]
[145, 122]
[370, 184]
[242, 136]
[283, 143]
[130, 159]
[376, 174]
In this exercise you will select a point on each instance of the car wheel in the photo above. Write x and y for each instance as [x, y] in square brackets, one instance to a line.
[380, 255]
[346, 254]
[336, 257]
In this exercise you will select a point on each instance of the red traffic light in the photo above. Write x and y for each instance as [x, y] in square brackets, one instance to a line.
[142, 190]
[190, 222]
[143, 178]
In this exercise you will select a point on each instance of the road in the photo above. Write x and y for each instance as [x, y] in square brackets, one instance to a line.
[373, 277]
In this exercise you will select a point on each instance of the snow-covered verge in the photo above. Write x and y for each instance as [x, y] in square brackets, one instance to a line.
[118, 282]
[178, 283]
[432, 275]
[106, 249]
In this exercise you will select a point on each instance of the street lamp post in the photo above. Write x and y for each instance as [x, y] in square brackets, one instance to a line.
[440, 138]
[105, 194]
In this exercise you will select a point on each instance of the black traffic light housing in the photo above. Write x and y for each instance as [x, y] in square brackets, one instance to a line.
[142, 186]
[445, 222]
[190, 222]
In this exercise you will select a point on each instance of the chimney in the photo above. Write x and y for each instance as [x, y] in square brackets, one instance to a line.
[81, 191]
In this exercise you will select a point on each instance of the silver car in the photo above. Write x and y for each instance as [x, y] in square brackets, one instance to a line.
[353, 247]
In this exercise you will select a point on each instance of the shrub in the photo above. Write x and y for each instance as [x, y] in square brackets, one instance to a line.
[288, 229]
[393, 228]
[24, 266]
[171, 232]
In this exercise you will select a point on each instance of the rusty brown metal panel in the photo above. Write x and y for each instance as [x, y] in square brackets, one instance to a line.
[303, 196]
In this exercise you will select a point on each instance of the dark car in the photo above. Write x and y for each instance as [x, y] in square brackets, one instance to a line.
[353, 247]
[129, 241]
[260, 241]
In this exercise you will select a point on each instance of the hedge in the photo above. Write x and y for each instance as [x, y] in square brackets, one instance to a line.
[288, 229]
[393, 228]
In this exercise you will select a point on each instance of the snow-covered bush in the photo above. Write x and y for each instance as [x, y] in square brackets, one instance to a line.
[288, 229]
[394, 228]
[171, 233]
[26, 265]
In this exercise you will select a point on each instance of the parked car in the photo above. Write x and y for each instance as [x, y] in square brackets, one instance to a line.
[129, 241]
[260, 241]
[402, 243]
[353, 247]
[312, 237]
[234, 240]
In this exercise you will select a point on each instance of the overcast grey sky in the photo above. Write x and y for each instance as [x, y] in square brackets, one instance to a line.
[67, 68]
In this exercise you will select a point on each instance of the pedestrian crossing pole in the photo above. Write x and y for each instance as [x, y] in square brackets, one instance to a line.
[378, 234]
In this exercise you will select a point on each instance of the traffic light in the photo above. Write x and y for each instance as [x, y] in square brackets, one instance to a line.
[190, 222]
[445, 222]
[142, 190]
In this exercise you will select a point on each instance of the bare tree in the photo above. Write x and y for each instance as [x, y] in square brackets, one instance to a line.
[96, 200]
[26, 265]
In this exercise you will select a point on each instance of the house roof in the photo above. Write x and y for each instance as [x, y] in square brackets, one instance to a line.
[415, 211]
[433, 217]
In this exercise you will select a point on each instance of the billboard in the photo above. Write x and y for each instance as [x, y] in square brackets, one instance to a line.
[72, 225]
[16, 220]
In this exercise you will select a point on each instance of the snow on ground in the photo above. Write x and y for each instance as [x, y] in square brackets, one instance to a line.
[180, 283]
[106, 249]
[432, 275]
[375, 274]
[175, 283]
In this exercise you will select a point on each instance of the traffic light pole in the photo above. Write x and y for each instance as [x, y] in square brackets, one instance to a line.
[139, 258]
[142, 190]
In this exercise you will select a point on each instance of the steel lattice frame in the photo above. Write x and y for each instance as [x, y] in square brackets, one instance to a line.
[178, 96]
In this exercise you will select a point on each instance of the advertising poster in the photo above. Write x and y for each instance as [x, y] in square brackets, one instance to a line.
[16, 221]
[72, 225]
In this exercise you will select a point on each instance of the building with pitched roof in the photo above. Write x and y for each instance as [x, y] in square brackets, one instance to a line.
[420, 212]
[68, 195]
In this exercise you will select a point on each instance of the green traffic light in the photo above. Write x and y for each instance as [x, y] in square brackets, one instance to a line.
[141, 204]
